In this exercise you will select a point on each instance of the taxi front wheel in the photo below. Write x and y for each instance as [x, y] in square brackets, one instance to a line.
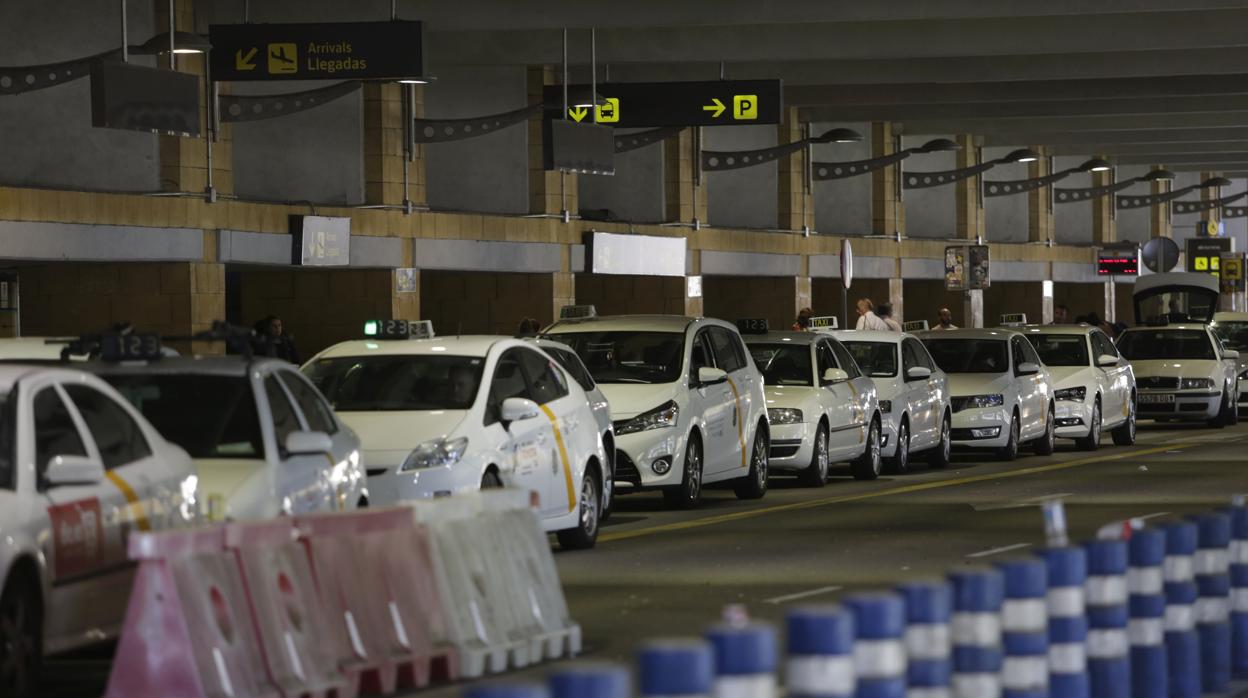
[21, 638]
[754, 484]
[585, 534]
[688, 494]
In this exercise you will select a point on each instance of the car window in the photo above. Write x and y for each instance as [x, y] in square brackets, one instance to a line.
[572, 364]
[1016, 352]
[701, 356]
[507, 382]
[728, 354]
[315, 411]
[877, 359]
[118, 437]
[1029, 352]
[912, 355]
[284, 419]
[545, 378]
[845, 360]
[210, 416]
[1102, 345]
[782, 364]
[8, 442]
[629, 356]
[824, 358]
[1150, 344]
[925, 359]
[969, 355]
[1060, 349]
[55, 431]
[398, 382]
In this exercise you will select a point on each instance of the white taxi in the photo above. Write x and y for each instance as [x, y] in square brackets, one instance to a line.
[1183, 373]
[686, 399]
[79, 469]
[821, 406]
[913, 393]
[1093, 385]
[999, 388]
[1232, 329]
[444, 415]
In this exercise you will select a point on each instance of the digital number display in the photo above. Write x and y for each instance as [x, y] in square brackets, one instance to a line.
[130, 347]
[752, 326]
[398, 329]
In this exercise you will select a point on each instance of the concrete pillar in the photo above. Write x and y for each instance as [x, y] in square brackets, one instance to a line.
[969, 202]
[693, 306]
[550, 192]
[888, 213]
[1211, 194]
[804, 287]
[684, 191]
[973, 308]
[1046, 299]
[563, 285]
[1160, 222]
[1110, 309]
[896, 297]
[796, 209]
[385, 159]
[1104, 220]
[1040, 227]
[184, 161]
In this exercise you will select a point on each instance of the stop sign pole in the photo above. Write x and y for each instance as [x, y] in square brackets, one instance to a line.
[847, 278]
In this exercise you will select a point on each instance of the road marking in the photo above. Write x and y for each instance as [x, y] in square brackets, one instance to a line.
[801, 595]
[1002, 549]
[907, 489]
[1023, 503]
[1154, 515]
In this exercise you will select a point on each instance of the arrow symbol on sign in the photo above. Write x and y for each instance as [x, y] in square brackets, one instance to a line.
[578, 113]
[242, 62]
[718, 107]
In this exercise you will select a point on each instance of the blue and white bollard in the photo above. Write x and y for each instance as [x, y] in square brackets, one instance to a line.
[746, 660]
[1068, 624]
[1109, 660]
[1025, 629]
[591, 680]
[976, 629]
[678, 667]
[506, 690]
[929, 650]
[1211, 566]
[879, 649]
[1147, 604]
[1182, 643]
[1239, 590]
[821, 652]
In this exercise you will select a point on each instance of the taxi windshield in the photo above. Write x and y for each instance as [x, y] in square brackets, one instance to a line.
[1145, 345]
[1060, 349]
[783, 364]
[398, 382]
[629, 357]
[209, 416]
[1233, 334]
[969, 355]
[877, 359]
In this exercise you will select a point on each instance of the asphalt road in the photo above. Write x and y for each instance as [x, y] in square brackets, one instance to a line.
[661, 573]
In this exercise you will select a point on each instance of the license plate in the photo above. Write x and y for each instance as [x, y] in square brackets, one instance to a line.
[1165, 399]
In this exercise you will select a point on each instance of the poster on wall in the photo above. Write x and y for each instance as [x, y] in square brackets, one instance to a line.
[977, 267]
[955, 268]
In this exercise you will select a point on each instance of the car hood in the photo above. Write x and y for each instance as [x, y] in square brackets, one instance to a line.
[1069, 376]
[1169, 368]
[963, 384]
[789, 396]
[244, 486]
[401, 431]
[631, 399]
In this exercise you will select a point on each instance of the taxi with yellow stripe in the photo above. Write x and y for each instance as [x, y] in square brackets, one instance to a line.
[686, 400]
[79, 469]
[444, 415]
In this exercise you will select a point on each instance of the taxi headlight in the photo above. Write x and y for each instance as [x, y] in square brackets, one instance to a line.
[1243, 375]
[975, 401]
[664, 415]
[1195, 384]
[1072, 394]
[886, 406]
[784, 415]
[436, 453]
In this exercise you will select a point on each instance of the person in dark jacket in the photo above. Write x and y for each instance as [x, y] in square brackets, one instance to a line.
[272, 340]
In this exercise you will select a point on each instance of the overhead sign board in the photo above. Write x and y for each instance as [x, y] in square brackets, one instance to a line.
[642, 255]
[137, 98]
[1118, 262]
[320, 241]
[647, 104]
[339, 51]
[1205, 254]
[584, 148]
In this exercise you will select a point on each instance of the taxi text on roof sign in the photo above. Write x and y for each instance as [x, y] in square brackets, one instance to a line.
[824, 322]
[708, 103]
[340, 51]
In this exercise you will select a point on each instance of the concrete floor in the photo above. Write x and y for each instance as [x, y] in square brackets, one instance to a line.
[661, 573]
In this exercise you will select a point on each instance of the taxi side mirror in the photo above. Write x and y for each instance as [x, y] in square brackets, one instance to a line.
[918, 373]
[517, 409]
[711, 376]
[1107, 361]
[303, 443]
[1028, 368]
[1230, 354]
[73, 470]
[835, 375]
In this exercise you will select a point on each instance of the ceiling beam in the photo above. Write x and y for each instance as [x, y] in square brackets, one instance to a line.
[1223, 167]
[1090, 123]
[1160, 150]
[1169, 159]
[1047, 108]
[1100, 139]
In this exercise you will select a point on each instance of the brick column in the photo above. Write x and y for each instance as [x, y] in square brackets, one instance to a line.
[564, 283]
[1104, 220]
[1040, 226]
[896, 297]
[693, 306]
[969, 205]
[547, 195]
[383, 147]
[796, 210]
[1211, 194]
[804, 287]
[1160, 223]
[684, 198]
[888, 213]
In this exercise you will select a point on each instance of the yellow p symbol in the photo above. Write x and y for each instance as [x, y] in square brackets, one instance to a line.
[745, 107]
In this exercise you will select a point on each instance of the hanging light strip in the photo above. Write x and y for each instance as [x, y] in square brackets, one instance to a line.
[923, 180]
[443, 130]
[1198, 206]
[238, 108]
[1235, 212]
[18, 79]
[842, 170]
[719, 160]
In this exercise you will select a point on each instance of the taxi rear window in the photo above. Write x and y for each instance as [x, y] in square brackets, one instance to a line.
[403, 382]
[210, 416]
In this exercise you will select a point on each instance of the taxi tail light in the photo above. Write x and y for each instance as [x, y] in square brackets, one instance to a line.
[535, 500]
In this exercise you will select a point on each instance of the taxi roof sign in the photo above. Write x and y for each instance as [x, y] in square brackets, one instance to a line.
[753, 326]
[824, 322]
[398, 329]
[1013, 319]
[915, 326]
[577, 312]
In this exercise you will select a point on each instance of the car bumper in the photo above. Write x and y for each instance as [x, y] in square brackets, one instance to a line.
[391, 486]
[1074, 419]
[636, 455]
[1193, 405]
[888, 434]
[792, 446]
[982, 427]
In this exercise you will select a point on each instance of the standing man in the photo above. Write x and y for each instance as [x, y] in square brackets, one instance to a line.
[885, 313]
[1061, 315]
[272, 340]
[945, 320]
[867, 319]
